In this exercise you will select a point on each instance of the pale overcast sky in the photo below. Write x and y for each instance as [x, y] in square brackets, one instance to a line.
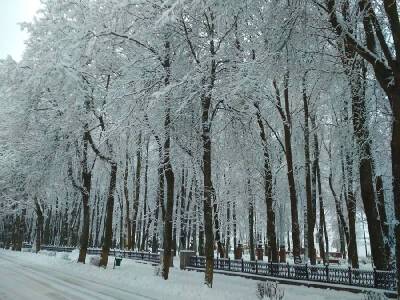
[11, 37]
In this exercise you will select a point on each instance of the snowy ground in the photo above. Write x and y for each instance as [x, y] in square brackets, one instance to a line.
[30, 276]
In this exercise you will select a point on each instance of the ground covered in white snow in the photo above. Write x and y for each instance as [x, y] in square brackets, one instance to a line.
[30, 276]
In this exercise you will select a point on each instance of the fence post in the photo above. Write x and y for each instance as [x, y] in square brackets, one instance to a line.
[196, 264]
[327, 272]
[217, 263]
[288, 270]
[272, 273]
[307, 271]
[242, 266]
[375, 279]
[229, 263]
[350, 281]
[256, 266]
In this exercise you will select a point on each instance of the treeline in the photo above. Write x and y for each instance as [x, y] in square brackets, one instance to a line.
[205, 125]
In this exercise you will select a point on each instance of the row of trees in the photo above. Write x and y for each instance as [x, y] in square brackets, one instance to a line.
[189, 124]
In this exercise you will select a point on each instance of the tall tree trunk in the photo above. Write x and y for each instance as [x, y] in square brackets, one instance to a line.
[146, 217]
[46, 232]
[126, 194]
[98, 222]
[207, 193]
[235, 244]
[189, 214]
[160, 197]
[352, 245]
[357, 79]
[182, 237]
[269, 201]
[137, 190]
[251, 222]
[343, 228]
[170, 179]
[39, 224]
[87, 183]
[168, 171]
[309, 212]
[395, 145]
[382, 215]
[84, 238]
[286, 119]
[108, 234]
[317, 174]
[347, 168]
[217, 226]
[175, 224]
[228, 230]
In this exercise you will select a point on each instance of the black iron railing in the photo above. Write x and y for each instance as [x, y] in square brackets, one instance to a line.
[144, 256]
[385, 280]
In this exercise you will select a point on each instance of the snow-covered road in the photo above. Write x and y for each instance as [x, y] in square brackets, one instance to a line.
[51, 276]
[19, 280]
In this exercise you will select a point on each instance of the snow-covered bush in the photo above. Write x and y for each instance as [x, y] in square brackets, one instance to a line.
[269, 290]
[94, 260]
[47, 253]
[374, 296]
[74, 255]
[63, 255]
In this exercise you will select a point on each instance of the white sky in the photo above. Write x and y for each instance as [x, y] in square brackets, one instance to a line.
[11, 37]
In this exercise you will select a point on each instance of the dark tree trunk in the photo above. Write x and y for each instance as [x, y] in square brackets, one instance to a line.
[160, 197]
[98, 222]
[343, 229]
[108, 234]
[145, 215]
[175, 224]
[220, 247]
[87, 183]
[317, 177]
[207, 193]
[357, 82]
[352, 245]
[17, 243]
[347, 169]
[170, 179]
[228, 230]
[235, 244]
[201, 241]
[39, 225]
[137, 191]
[269, 201]
[382, 214]
[322, 223]
[310, 220]
[182, 237]
[286, 119]
[189, 218]
[46, 232]
[121, 223]
[168, 171]
[251, 223]
[22, 229]
[126, 194]
[395, 145]
[64, 228]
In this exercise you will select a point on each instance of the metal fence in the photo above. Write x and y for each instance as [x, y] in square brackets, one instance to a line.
[385, 280]
[144, 256]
